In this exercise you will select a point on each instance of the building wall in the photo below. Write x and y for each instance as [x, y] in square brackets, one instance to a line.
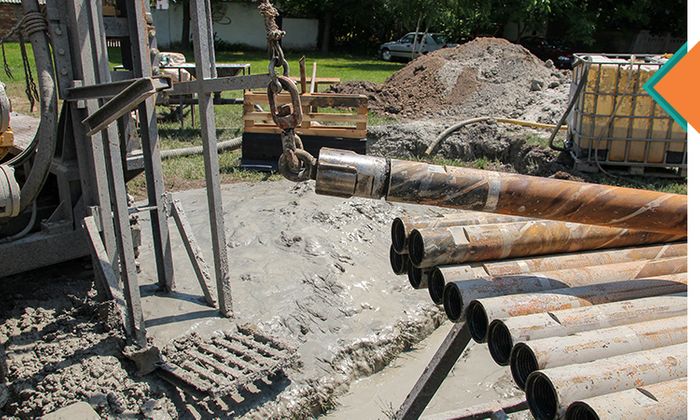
[236, 23]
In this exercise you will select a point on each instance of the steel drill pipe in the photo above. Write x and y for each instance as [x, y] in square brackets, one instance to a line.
[402, 227]
[549, 392]
[529, 356]
[442, 275]
[459, 294]
[503, 334]
[481, 312]
[418, 277]
[345, 174]
[461, 244]
[660, 401]
[399, 262]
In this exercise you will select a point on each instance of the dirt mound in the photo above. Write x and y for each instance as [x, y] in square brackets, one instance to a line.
[487, 76]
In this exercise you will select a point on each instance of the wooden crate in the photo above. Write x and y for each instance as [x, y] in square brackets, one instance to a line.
[351, 123]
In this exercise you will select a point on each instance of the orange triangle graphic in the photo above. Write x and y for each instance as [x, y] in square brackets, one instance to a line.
[680, 87]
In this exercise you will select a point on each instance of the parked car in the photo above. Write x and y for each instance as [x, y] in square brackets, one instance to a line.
[561, 54]
[403, 48]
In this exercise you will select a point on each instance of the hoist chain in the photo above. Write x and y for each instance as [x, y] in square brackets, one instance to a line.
[295, 163]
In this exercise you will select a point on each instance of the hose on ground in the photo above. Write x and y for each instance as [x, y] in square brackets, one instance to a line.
[442, 136]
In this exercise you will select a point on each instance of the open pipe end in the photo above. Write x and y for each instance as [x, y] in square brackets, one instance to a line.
[398, 234]
[500, 342]
[581, 411]
[436, 286]
[452, 301]
[478, 321]
[522, 363]
[416, 277]
[416, 248]
[541, 396]
[399, 262]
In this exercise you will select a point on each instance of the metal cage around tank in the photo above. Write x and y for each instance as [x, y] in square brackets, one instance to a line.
[615, 124]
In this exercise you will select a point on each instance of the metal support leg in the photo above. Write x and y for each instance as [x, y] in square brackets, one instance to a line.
[199, 264]
[206, 69]
[440, 365]
[141, 58]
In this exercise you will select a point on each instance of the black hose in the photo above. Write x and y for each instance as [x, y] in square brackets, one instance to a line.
[581, 85]
[45, 137]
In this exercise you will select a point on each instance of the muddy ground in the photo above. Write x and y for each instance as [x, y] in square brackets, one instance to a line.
[310, 270]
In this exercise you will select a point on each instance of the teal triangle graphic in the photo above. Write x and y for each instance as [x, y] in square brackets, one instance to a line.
[650, 85]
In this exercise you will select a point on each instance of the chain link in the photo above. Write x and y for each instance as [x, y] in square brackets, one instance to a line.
[295, 164]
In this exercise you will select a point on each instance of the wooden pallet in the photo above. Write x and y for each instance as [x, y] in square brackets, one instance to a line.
[351, 123]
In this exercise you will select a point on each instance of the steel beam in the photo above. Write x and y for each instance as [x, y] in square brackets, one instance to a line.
[108, 90]
[221, 84]
[206, 69]
[432, 377]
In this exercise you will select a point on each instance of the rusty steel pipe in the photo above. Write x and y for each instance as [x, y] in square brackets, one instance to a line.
[442, 275]
[660, 401]
[549, 392]
[399, 262]
[503, 334]
[481, 312]
[545, 353]
[402, 227]
[346, 174]
[459, 294]
[461, 244]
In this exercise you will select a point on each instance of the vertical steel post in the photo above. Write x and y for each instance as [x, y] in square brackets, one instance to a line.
[206, 69]
[117, 185]
[136, 11]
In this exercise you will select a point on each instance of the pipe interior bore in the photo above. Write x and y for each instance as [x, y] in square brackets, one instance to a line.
[398, 234]
[522, 363]
[500, 342]
[478, 321]
[541, 396]
[452, 301]
[415, 247]
[415, 276]
[436, 286]
[398, 262]
[581, 411]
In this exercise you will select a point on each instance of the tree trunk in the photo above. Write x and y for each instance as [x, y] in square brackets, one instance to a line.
[422, 39]
[326, 39]
[415, 37]
[185, 37]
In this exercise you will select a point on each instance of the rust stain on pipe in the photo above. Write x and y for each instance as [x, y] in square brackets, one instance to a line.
[461, 244]
[346, 174]
[503, 334]
[661, 401]
[442, 275]
[402, 227]
[459, 294]
[481, 312]
[529, 356]
[549, 392]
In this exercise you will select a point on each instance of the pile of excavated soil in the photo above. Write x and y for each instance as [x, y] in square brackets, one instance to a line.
[485, 77]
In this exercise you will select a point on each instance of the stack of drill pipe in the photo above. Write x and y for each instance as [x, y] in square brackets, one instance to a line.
[550, 392]
[480, 313]
[504, 334]
[441, 275]
[504, 291]
[546, 353]
[402, 227]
